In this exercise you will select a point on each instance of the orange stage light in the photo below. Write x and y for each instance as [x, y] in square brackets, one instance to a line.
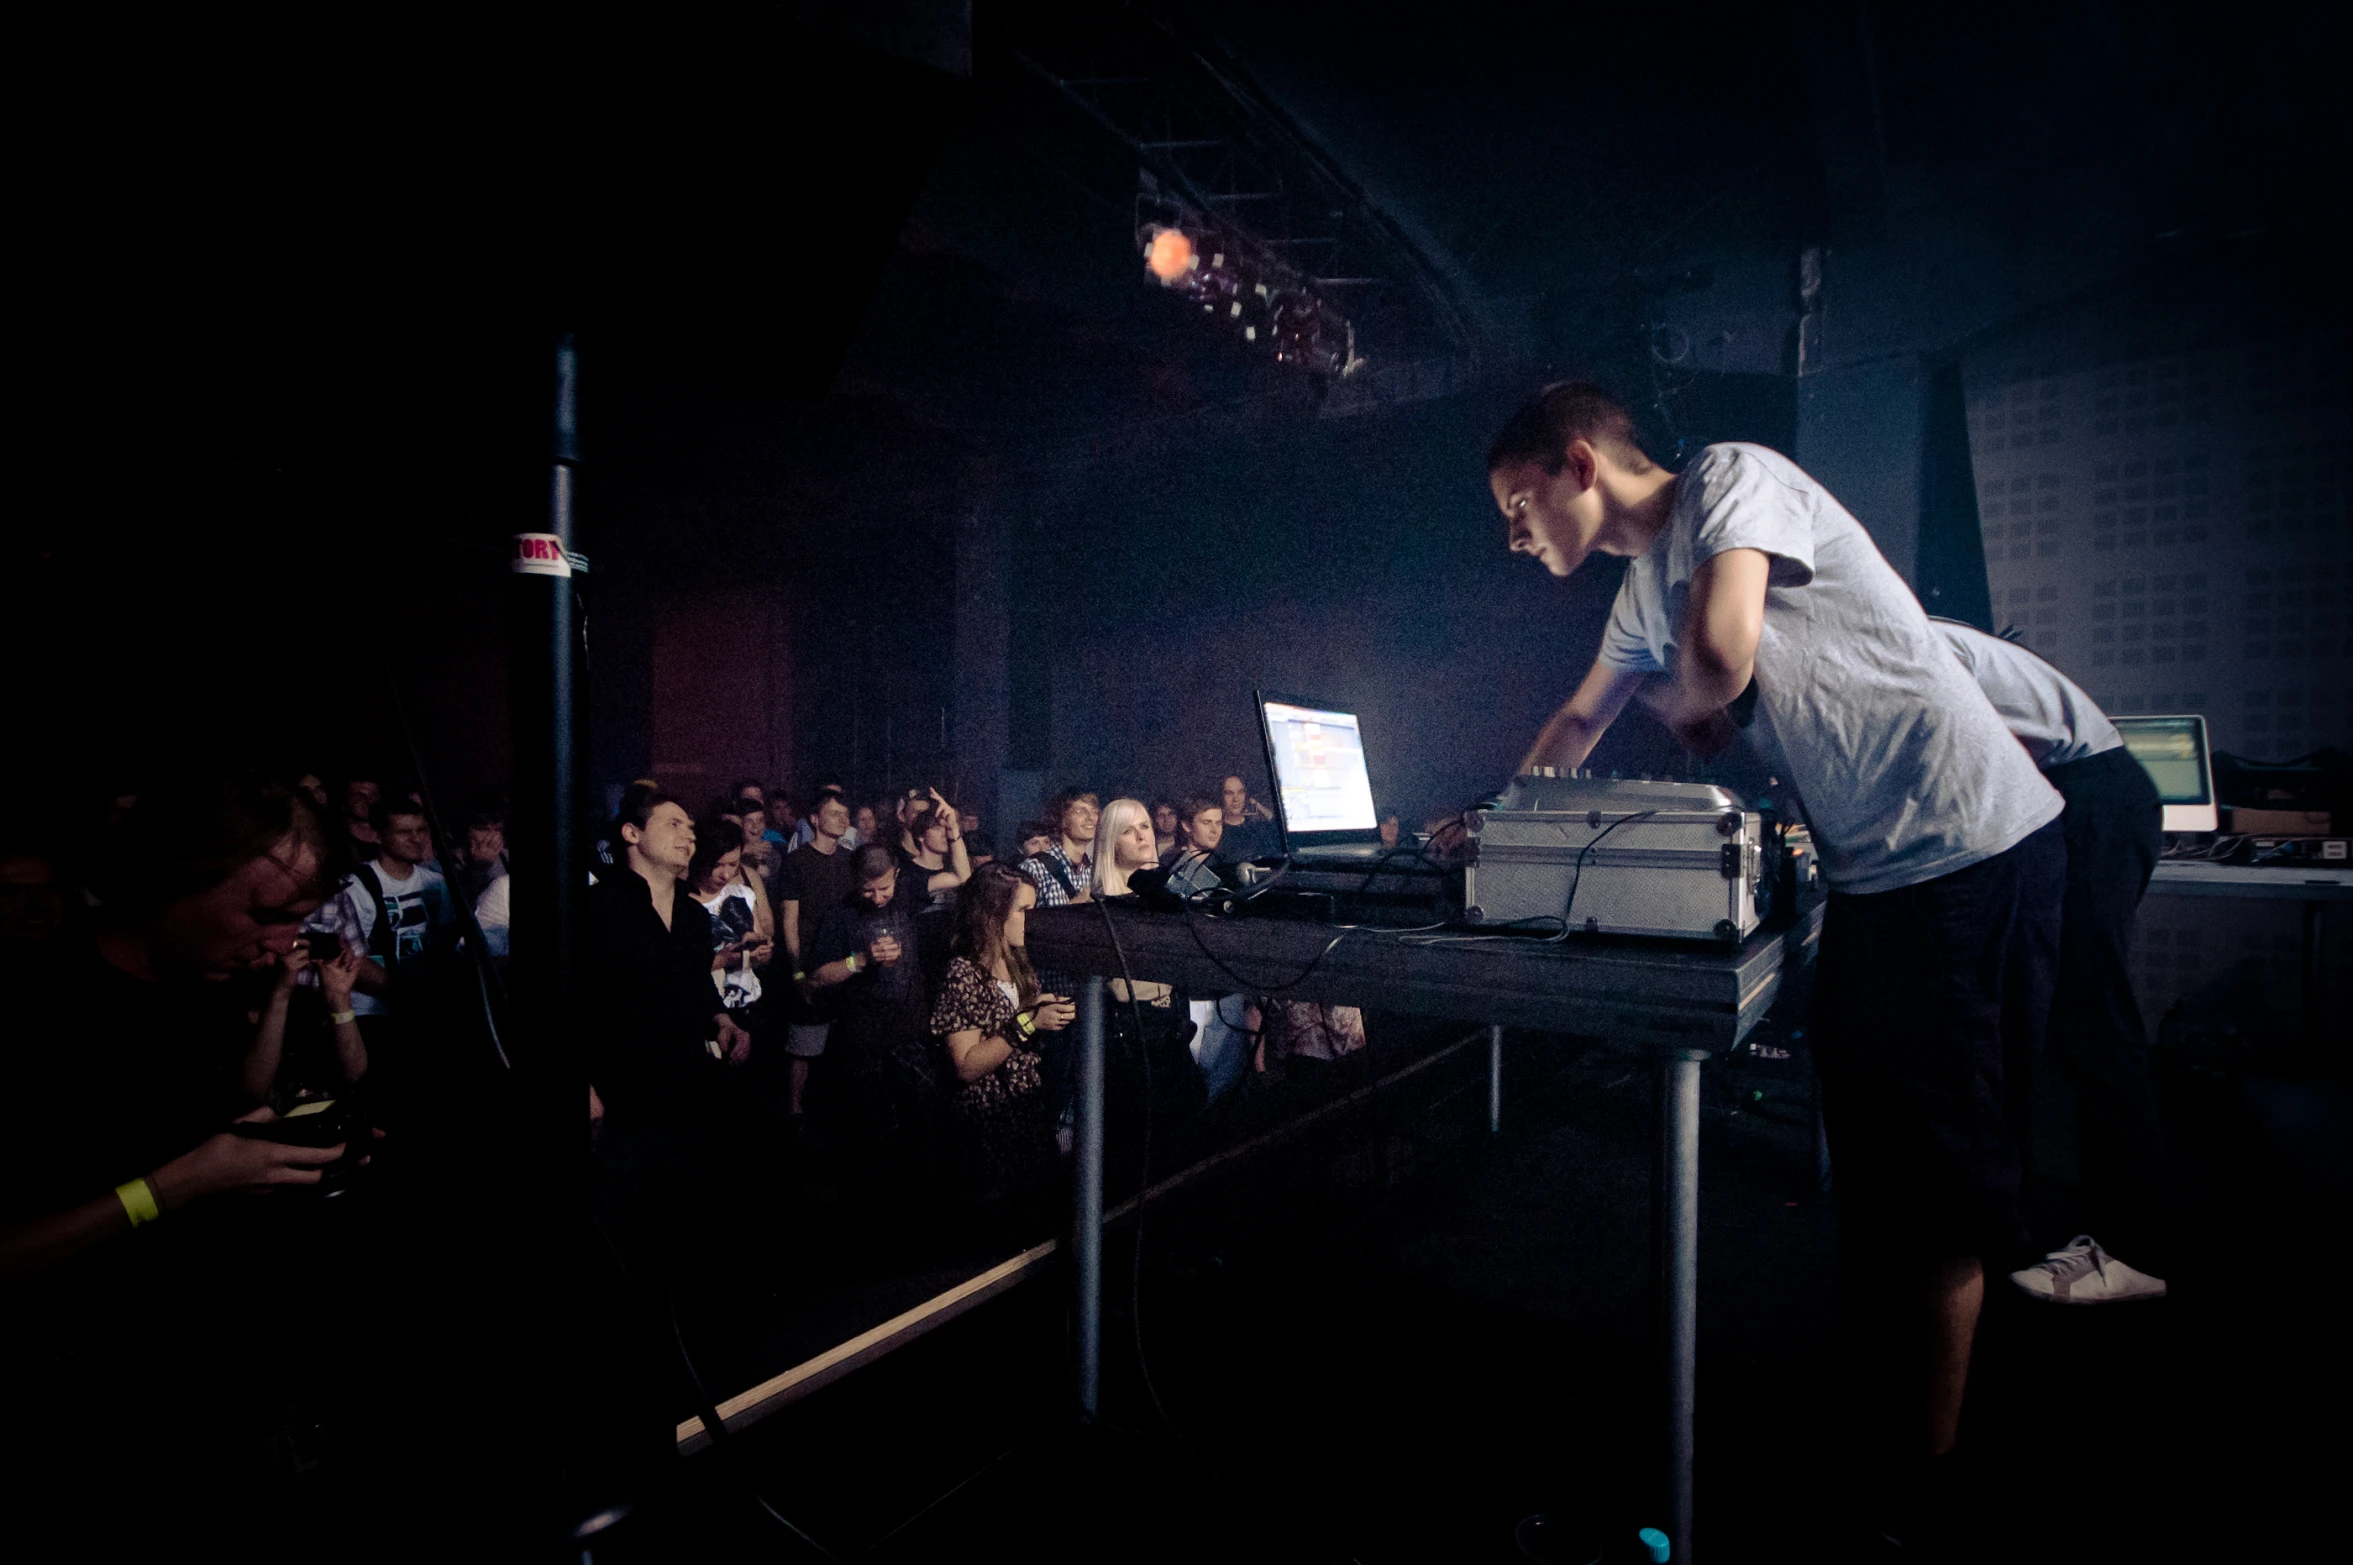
[1170, 255]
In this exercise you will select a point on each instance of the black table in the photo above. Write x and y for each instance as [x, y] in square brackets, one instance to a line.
[2314, 885]
[1682, 1000]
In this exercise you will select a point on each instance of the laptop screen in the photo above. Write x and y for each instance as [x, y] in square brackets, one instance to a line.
[1318, 758]
[2172, 750]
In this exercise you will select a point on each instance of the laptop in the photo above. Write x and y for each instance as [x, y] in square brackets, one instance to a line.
[1323, 790]
[2172, 750]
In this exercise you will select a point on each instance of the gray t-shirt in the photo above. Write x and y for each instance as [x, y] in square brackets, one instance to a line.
[2047, 712]
[1903, 768]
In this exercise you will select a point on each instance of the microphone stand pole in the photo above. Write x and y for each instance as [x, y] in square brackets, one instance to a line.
[549, 1189]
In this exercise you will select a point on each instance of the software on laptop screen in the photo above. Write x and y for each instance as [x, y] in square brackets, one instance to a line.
[1319, 766]
[2171, 750]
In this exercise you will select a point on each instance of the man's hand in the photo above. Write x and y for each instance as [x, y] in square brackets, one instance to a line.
[1569, 737]
[232, 1164]
[735, 1045]
[337, 975]
[596, 1113]
[947, 814]
[1450, 841]
[290, 966]
[884, 950]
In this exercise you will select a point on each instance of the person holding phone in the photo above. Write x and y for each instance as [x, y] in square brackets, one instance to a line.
[208, 880]
[334, 966]
[988, 1019]
[864, 958]
[715, 879]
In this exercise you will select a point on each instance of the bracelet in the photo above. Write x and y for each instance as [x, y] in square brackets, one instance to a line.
[340, 1017]
[798, 976]
[853, 961]
[1027, 1025]
[138, 1199]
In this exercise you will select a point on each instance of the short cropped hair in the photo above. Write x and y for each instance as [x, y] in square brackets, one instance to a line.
[1562, 413]
[381, 812]
[874, 861]
[1193, 804]
[638, 803]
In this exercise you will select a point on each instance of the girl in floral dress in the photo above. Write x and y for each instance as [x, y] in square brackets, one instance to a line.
[987, 1019]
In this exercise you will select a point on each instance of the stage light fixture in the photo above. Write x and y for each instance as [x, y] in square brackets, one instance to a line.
[1261, 294]
[1169, 254]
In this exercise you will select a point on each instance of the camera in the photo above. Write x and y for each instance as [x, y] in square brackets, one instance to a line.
[322, 1122]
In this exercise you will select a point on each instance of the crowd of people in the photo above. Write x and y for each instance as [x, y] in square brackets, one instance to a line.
[764, 977]
[812, 1001]
[841, 994]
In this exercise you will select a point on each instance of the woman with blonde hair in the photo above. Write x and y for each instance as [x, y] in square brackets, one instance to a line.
[1125, 843]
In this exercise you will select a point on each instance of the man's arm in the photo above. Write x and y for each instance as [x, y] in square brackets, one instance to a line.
[218, 1165]
[1722, 622]
[1577, 727]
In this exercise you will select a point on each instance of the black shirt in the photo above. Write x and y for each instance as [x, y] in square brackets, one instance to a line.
[815, 880]
[108, 1076]
[880, 992]
[650, 1004]
[1253, 839]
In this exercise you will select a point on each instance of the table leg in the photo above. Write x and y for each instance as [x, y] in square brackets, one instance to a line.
[2311, 997]
[1495, 1079]
[1678, 1238]
[1086, 1242]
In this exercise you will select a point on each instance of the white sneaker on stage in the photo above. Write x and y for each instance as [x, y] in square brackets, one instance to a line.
[2083, 1273]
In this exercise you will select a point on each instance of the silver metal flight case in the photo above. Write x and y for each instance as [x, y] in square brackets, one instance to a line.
[1637, 858]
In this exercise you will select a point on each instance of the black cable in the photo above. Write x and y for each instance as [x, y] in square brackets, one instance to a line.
[1143, 1199]
[1568, 924]
[486, 979]
[1250, 985]
[1418, 850]
[706, 1408]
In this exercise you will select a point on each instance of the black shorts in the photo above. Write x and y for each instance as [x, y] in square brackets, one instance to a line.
[1929, 1013]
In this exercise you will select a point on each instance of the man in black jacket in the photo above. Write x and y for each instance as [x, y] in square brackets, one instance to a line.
[661, 1045]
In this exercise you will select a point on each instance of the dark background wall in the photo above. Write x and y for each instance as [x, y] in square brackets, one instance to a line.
[897, 468]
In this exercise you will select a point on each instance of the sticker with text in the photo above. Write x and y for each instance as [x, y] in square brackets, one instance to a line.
[540, 554]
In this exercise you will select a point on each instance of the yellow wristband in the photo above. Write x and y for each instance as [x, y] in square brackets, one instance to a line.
[340, 1017]
[138, 1199]
[853, 961]
[1028, 1026]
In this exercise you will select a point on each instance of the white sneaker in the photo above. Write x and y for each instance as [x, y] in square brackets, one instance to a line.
[2083, 1273]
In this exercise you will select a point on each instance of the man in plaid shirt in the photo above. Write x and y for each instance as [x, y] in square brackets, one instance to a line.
[1060, 872]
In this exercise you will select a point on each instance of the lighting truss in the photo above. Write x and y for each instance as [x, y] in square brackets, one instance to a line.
[1282, 248]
